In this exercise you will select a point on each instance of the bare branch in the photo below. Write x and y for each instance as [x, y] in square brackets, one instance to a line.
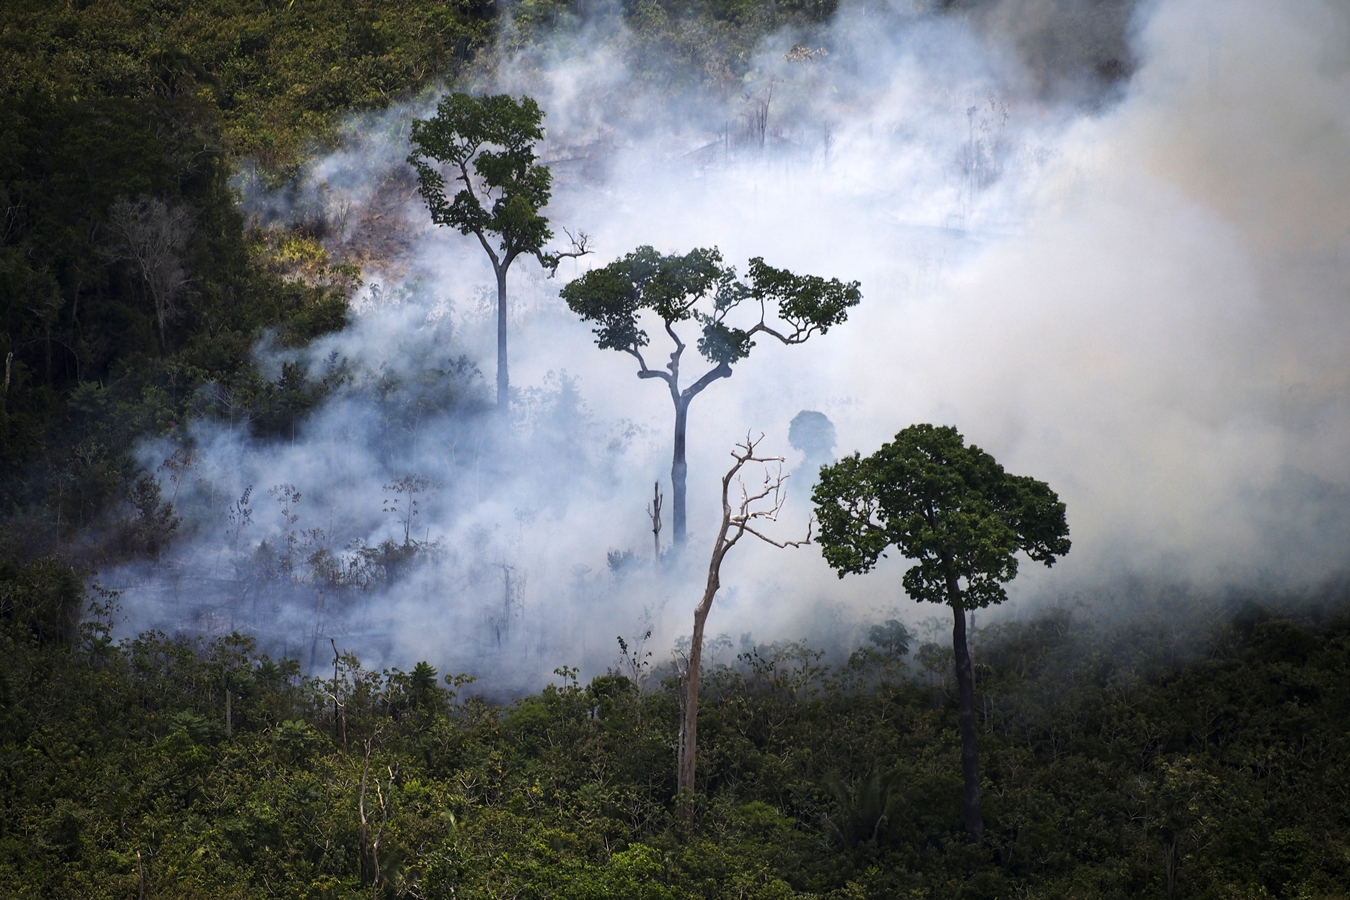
[810, 525]
[580, 247]
[152, 234]
[772, 487]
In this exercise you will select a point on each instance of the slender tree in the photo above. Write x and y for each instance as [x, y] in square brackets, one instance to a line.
[962, 519]
[152, 235]
[696, 288]
[487, 143]
[654, 513]
[737, 521]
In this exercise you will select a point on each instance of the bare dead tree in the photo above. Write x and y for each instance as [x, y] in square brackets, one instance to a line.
[654, 513]
[361, 813]
[385, 797]
[150, 234]
[404, 503]
[763, 505]
[339, 720]
[757, 115]
[370, 846]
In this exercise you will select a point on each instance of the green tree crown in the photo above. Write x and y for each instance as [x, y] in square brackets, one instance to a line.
[673, 287]
[949, 507]
[489, 141]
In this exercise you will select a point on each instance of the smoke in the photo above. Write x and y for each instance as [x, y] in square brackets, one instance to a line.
[1133, 288]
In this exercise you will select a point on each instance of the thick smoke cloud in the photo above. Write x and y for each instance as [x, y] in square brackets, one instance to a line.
[1135, 290]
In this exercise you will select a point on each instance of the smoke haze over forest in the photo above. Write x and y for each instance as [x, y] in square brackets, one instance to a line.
[1109, 243]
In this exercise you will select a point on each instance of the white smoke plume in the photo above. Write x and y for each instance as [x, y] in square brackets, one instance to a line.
[1134, 288]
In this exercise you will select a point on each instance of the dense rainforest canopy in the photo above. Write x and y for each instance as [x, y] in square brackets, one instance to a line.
[1199, 751]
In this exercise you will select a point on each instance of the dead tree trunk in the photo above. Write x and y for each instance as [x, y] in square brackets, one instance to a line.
[736, 522]
[654, 513]
[369, 846]
[363, 841]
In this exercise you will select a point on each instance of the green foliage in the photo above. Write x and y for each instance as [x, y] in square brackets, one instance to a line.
[130, 294]
[950, 508]
[41, 602]
[673, 287]
[614, 296]
[494, 137]
[865, 809]
[891, 636]
[281, 74]
[113, 335]
[710, 43]
[1112, 769]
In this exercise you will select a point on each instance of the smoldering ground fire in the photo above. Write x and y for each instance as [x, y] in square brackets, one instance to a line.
[1131, 282]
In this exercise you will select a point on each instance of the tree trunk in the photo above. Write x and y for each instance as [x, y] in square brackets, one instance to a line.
[363, 838]
[1170, 861]
[678, 473]
[689, 744]
[160, 313]
[965, 682]
[654, 512]
[503, 381]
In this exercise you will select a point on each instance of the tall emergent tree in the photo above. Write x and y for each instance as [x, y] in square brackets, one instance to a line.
[488, 144]
[697, 288]
[955, 512]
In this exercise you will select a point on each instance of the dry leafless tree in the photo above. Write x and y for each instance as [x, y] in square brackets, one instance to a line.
[151, 234]
[654, 513]
[761, 505]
